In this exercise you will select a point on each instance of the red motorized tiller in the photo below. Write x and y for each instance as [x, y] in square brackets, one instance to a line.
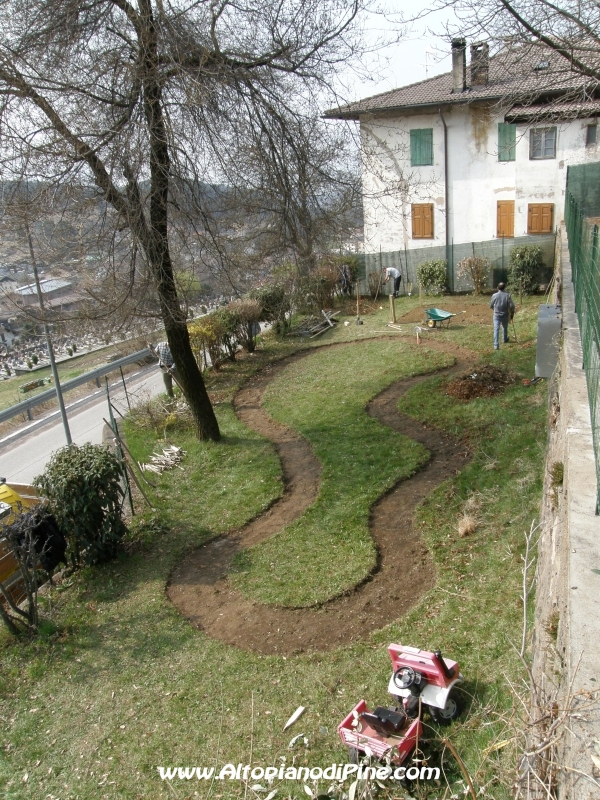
[420, 679]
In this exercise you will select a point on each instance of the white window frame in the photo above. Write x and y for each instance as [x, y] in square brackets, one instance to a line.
[539, 141]
[591, 139]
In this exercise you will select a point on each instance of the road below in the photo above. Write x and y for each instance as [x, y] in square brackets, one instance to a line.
[24, 457]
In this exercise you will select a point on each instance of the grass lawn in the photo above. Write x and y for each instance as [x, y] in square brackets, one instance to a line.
[118, 683]
[71, 368]
[323, 397]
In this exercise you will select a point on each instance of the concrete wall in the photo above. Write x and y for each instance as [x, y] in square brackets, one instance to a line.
[566, 643]
[477, 180]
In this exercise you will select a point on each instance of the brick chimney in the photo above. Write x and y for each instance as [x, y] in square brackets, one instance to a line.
[459, 65]
[480, 64]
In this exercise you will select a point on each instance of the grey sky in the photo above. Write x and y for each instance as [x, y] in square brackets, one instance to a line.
[422, 52]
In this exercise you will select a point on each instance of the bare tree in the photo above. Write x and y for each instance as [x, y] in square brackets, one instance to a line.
[568, 28]
[305, 188]
[146, 100]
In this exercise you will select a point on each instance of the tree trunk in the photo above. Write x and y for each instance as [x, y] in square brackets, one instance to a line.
[157, 243]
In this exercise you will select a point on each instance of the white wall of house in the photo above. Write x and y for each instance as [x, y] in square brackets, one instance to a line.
[477, 179]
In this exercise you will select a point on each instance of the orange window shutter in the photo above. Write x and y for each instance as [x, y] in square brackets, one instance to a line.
[417, 222]
[533, 218]
[547, 217]
[422, 220]
[505, 218]
[428, 221]
[540, 217]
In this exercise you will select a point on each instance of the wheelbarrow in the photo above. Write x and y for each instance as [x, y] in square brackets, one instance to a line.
[435, 315]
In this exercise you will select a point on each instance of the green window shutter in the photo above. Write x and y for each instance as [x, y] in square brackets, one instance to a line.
[507, 141]
[421, 147]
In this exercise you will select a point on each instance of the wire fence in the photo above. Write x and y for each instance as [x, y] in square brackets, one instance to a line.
[496, 250]
[585, 264]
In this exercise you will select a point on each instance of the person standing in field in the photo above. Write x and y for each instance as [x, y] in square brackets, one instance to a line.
[392, 272]
[504, 310]
[166, 363]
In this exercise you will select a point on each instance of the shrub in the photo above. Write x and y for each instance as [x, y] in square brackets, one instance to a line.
[274, 302]
[352, 265]
[206, 340]
[226, 323]
[315, 291]
[477, 269]
[524, 267]
[247, 313]
[375, 282]
[431, 276]
[34, 358]
[84, 492]
[70, 351]
[154, 414]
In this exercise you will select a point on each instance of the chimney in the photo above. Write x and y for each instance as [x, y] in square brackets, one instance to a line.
[459, 65]
[480, 64]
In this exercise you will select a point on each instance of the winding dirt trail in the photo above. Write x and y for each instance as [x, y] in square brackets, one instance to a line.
[199, 587]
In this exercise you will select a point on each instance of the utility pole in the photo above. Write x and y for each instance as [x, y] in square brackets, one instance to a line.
[61, 403]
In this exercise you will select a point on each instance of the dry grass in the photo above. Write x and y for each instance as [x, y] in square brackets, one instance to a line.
[469, 521]
[467, 525]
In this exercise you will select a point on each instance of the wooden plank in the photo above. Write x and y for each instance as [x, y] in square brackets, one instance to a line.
[327, 317]
[318, 333]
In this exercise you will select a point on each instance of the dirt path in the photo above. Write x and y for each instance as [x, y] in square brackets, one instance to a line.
[199, 587]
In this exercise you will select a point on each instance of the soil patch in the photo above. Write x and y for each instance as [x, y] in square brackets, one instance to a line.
[485, 381]
[199, 586]
[467, 310]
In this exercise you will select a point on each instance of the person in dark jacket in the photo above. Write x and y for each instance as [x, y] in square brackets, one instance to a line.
[504, 310]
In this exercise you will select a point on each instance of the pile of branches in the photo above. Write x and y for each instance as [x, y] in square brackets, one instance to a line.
[168, 459]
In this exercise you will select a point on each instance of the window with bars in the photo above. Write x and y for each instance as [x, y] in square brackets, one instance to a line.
[421, 147]
[507, 141]
[542, 143]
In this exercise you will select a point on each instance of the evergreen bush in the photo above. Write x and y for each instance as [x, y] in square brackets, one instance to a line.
[432, 276]
[84, 492]
[524, 266]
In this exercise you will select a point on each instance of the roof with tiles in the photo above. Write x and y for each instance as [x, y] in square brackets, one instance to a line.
[515, 75]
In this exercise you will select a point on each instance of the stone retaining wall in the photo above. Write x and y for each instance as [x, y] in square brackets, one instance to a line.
[566, 639]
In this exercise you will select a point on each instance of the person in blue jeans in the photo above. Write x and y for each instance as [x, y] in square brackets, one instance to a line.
[504, 310]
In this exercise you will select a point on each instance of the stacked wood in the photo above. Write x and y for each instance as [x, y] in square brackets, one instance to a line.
[168, 459]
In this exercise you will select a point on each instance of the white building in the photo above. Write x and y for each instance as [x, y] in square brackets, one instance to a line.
[474, 154]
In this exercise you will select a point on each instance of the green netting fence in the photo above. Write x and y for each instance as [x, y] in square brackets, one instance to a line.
[497, 250]
[585, 263]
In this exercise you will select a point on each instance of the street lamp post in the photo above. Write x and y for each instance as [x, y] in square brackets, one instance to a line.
[59, 395]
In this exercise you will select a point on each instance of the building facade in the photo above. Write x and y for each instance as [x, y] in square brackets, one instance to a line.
[450, 160]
